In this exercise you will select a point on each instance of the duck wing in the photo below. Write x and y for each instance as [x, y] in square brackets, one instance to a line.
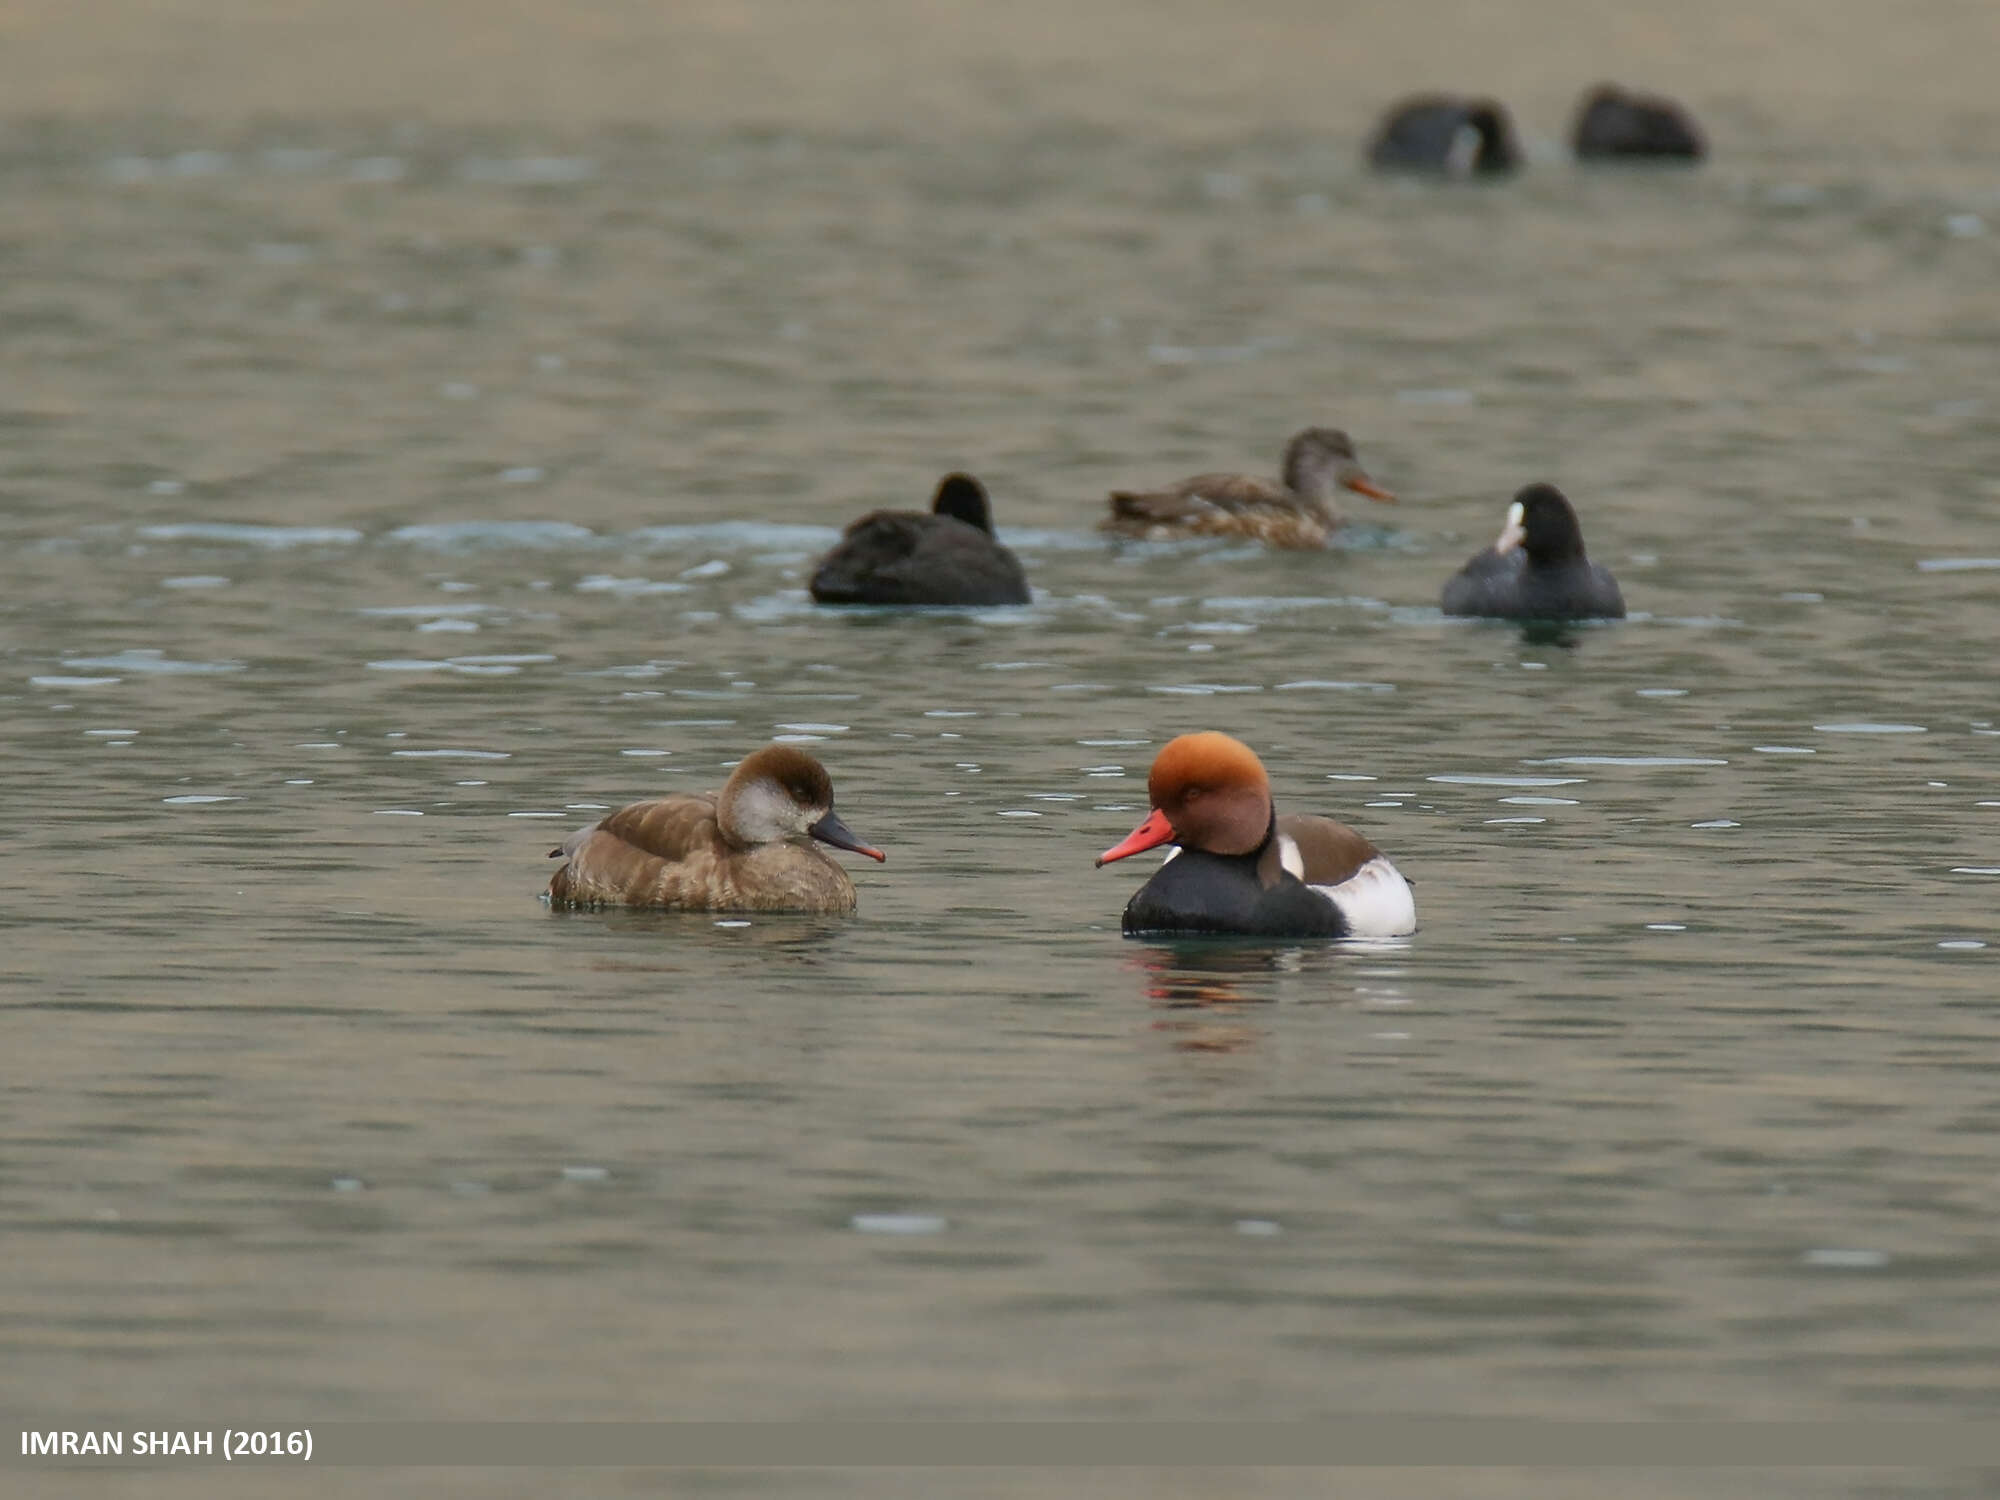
[633, 855]
[1329, 853]
[1374, 898]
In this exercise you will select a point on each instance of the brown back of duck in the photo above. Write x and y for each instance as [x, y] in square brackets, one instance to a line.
[1222, 505]
[1332, 851]
[670, 853]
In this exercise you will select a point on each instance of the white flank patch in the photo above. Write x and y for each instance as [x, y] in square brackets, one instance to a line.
[1376, 900]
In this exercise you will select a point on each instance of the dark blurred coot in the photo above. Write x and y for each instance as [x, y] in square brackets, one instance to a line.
[1614, 124]
[946, 556]
[1446, 133]
[1537, 569]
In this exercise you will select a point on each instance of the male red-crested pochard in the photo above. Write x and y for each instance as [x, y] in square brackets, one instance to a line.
[947, 555]
[1297, 511]
[1536, 569]
[735, 851]
[1242, 868]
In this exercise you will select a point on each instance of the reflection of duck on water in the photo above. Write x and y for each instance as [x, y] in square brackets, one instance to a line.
[1199, 973]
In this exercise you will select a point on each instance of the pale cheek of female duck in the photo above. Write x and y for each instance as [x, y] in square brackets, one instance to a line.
[765, 813]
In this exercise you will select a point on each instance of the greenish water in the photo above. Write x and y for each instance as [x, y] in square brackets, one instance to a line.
[373, 513]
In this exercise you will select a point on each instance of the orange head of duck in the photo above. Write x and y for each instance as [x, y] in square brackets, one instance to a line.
[1209, 792]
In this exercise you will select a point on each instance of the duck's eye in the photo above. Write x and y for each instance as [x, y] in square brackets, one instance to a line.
[1193, 794]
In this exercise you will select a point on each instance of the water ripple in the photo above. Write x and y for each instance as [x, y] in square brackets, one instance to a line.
[1329, 685]
[733, 536]
[270, 538]
[470, 536]
[1626, 760]
[1480, 780]
[149, 662]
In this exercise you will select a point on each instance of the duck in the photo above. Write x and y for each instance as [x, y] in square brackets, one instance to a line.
[947, 555]
[733, 851]
[1536, 569]
[1614, 123]
[1295, 512]
[1241, 868]
[1448, 134]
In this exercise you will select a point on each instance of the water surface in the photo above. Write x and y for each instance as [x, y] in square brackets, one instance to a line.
[378, 507]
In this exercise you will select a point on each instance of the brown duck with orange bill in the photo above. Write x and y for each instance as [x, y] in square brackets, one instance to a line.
[1297, 511]
[1241, 868]
[738, 850]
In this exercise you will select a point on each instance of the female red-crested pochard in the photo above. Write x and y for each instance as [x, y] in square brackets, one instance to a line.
[1536, 569]
[1297, 511]
[729, 852]
[1241, 868]
[947, 555]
